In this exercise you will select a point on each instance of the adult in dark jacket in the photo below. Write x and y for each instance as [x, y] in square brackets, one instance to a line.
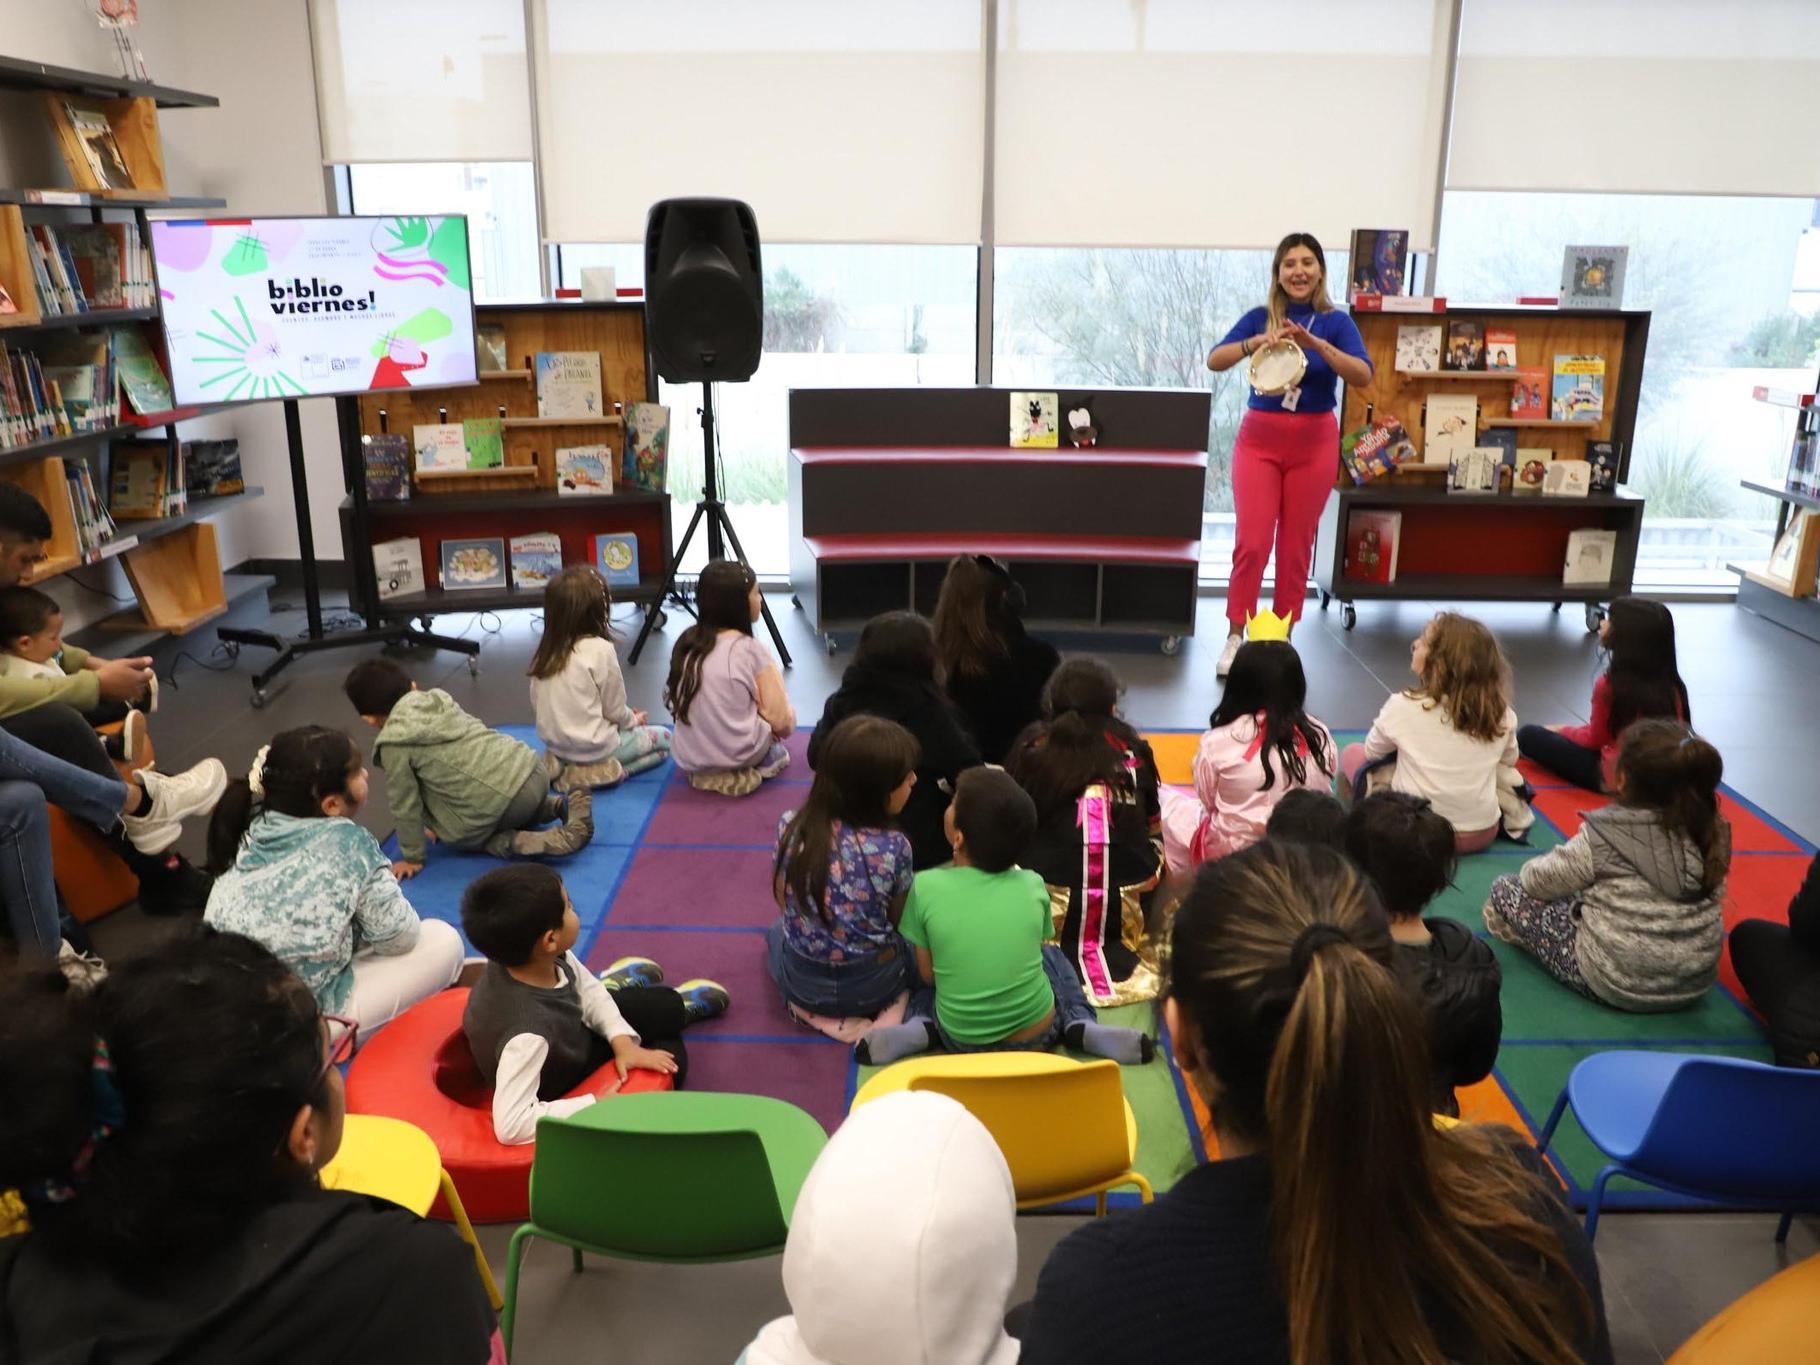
[893, 675]
[1408, 850]
[1779, 965]
[993, 669]
[165, 1132]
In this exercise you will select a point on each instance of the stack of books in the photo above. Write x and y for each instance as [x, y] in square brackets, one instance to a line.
[94, 526]
[82, 266]
[146, 481]
[78, 391]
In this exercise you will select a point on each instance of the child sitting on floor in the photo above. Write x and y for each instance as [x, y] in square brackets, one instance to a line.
[296, 872]
[31, 646]
[840, 878]
[451, 778]
[1306, 816]
[1099, 841]
[591, 737]
[1452, 738]
[1260, 744]
[980, 929]
[1407, 850]
[993, 668]
[1628, 911]
[726, 691]
[539, 1022]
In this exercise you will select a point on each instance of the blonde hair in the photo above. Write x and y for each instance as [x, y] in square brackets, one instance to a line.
[1466, 675]
[1278, 301]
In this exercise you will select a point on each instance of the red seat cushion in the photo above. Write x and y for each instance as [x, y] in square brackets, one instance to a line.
[418, 1068]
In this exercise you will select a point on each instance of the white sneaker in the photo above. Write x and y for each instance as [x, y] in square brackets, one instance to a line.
[132, 737]
[169, 801]
[1227, 655]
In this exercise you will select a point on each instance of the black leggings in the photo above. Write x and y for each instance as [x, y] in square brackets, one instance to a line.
[657, 1013]
[61, 731]
[1782, 977]
[1561, 756]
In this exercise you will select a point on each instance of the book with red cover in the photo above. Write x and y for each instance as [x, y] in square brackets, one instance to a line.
[1500, 348]
[1529, 395]
[1371, 546]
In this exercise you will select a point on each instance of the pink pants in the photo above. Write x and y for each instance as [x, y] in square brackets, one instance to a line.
[1283, 467]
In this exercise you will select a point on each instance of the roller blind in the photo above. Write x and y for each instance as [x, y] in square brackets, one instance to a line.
[421, 80]
[837, 120]
[1640, 96]
[1220, 123]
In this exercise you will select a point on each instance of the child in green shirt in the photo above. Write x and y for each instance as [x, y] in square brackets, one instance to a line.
[981, 931]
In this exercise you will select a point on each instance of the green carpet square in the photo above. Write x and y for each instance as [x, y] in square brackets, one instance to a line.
[1536, 1006]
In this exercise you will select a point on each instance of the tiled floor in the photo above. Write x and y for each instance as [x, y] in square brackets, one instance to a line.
[1752, 685]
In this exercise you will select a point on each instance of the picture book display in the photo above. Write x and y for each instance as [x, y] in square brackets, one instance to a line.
[1500, 348]
[1567, 479]
[1379, 260]
[387, 459]
[89, 146]
[1529, 394]
[137, 478]
[490, 339]
[536, 559]
[1532, 464]
[1578, 394]
[1474, 470]
[1034, 421]
[212, 468]
[1465, 344]
[1503, 440]
[1418, 347]
[568, 384]
[647, 457]
[1450, 423]
[147, 387]
[1593, 276]
[1803, 475]
[1603, 457]
[1590, 556]
[474, 563]
[484, 439]
[398, 567]
[440, 447]
[1371, 545]
[1796, 557]
[584, 471]
[616, 556]
[1376, 450]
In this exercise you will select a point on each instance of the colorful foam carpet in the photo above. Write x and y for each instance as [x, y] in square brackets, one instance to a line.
[684, 877]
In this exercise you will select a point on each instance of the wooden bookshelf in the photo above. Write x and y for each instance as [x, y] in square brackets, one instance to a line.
[177, 580]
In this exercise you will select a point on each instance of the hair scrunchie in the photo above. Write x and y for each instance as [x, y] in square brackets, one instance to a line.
[1310, 941]
[255, 775]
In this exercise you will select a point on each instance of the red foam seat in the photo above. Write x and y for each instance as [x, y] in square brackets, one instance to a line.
[418, 1068]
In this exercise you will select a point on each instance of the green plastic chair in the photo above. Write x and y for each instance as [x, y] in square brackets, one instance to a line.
[678, 1177]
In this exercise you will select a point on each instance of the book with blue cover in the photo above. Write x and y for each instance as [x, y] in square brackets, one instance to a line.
[616, 556]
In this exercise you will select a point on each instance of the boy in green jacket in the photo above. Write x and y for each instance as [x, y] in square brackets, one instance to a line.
[449, 777]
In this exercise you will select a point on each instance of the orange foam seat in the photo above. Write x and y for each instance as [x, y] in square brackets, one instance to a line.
[89, 874]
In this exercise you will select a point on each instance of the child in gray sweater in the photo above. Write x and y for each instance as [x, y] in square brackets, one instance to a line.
[1628, 911]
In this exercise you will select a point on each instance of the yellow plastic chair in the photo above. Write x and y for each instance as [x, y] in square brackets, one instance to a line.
[1778, 1320]
[394, 1160]
[1065, 1127]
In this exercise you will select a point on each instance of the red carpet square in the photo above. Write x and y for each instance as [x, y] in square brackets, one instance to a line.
[696, 887]
[1750, 832]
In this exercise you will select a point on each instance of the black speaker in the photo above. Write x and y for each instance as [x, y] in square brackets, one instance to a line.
[704, 290]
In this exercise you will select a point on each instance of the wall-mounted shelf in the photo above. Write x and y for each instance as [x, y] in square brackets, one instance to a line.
[17, 73]
[510, 422]
[96, 317]
[1468, 376]
[81, 199]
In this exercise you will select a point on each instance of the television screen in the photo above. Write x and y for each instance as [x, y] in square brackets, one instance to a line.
[262, 308]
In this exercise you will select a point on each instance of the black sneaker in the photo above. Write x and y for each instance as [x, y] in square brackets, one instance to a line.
[169, 884]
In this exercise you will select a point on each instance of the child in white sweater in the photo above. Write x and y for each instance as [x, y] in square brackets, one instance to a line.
[591, 736]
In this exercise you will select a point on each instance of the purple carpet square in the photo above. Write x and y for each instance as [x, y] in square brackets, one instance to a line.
[810, 1075]
[688, 816]
[692, 888]
[798, 745]
[736, 960]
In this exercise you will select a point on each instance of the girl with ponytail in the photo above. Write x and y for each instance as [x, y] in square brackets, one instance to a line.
[1628, 911]
[296, 873]
[1343, 1226]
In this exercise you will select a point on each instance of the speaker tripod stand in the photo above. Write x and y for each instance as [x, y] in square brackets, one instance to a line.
[713, 511]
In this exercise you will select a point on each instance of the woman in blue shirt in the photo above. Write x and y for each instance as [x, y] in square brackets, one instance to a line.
[1287, 453]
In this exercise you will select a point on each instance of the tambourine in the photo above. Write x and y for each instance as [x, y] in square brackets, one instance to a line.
[1277, 366]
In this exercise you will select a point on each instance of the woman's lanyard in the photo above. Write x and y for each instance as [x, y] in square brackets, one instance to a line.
[1293, 394]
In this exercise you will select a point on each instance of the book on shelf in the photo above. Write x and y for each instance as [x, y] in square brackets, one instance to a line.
[1371, 545]
[484, 439]
[1500, 348]
[490, 347]
[536, 559]
[1450, 423]
[1474, 470]
[1593, 276]
[59, 285]
[94, 527]
[616, 556]
[439, 446]
[1398, 303]
[1784, 398]
[7, 304]
[147, 386]
[474, 563]
[1795, 556]
[1465, 345]
[95, 254]
[1603, 457]
[138, 479]
[386, 457]
[568, 384]
[1379, 260]
[647, 457]
[1504, 441]
[1375, 450]
[1034, 421]
[1418, 347]
[89, 147]
[82, 370]
[1532, 464]
[1590, 558]
[584, 471]
[1567, 479]
[211, 469]
[26, 411]
[398, 567]
[176, 481]
[1803, 473]
[1578, 394]
[1529, 395]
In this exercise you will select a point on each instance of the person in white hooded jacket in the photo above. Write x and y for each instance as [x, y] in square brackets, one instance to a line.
[903, 1245]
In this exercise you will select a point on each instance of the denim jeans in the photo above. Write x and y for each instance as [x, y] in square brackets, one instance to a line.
[1071, 1007]
[27, 888]
[844, 990]
[87, 795]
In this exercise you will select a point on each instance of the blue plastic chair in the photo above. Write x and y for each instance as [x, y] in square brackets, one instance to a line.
[1721, 1128]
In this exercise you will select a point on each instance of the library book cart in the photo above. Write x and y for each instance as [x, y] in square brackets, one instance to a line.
[1501, 546]
[888, 485]
[66, 460]
[520, 497]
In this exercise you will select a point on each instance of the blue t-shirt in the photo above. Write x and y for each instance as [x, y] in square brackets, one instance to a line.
[1335, 327]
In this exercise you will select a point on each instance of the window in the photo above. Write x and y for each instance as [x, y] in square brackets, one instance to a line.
[499, 197]
[1730, 284]
[852, 316]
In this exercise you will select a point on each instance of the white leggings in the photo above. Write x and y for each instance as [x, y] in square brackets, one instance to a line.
[385, 986]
